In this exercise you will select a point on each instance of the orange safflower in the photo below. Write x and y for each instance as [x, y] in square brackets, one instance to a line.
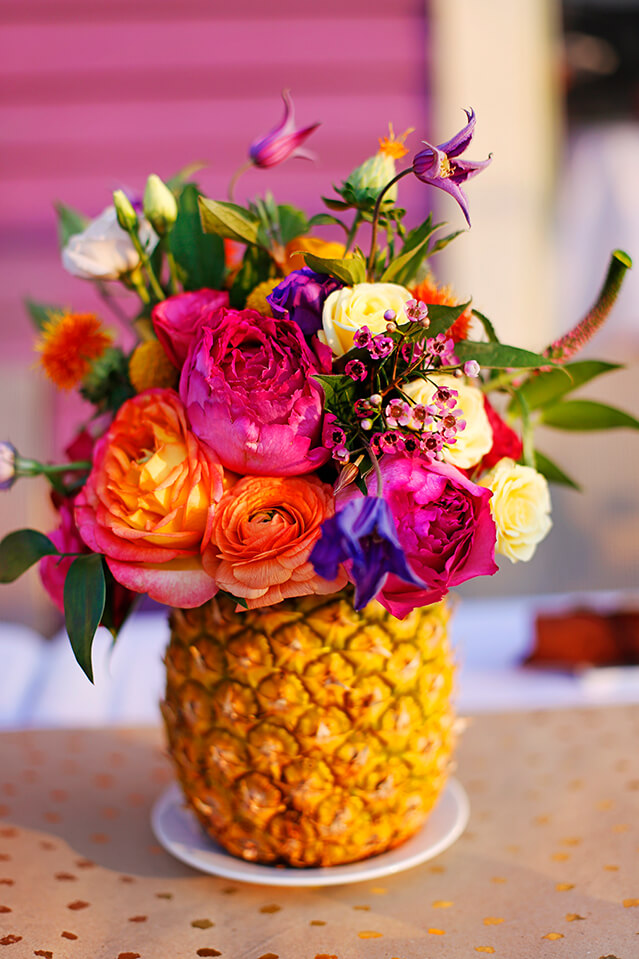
[69, 344]
[429, 292]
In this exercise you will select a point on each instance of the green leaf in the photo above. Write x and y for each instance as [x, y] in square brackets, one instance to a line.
[293, 223]
[489, 329]
[404, 267]
[20, 550]
[445, 240]
[340, 393]
[443, 317]
[228, 220]
[84, 598]
[199, 256]
[70, 222]
[40, 313]
[336, 204]
[586, 415]
[178, 181]
[552, 472]
[548, 387]
[256, 267]
[325, 219]
[498, 356]
[350, 271]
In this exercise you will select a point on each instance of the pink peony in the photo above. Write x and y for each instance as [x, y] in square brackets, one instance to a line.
[178, 320]
[249, 394]
[444, 526]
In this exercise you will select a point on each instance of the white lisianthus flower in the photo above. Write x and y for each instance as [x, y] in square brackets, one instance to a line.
[347, 310]
[476, 439]
[520, 505]
[104, 251]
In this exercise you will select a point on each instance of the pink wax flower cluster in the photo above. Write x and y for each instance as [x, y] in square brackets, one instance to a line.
[296, 416]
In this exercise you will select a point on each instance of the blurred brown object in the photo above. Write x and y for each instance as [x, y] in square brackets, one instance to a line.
[582, 638]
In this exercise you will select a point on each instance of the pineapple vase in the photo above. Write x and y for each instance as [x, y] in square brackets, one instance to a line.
[307, 733]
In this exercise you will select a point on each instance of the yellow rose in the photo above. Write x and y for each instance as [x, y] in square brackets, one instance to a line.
[520, 505]
[476, 439]
[347, 310]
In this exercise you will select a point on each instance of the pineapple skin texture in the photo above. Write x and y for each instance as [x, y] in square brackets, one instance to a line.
[308, 733]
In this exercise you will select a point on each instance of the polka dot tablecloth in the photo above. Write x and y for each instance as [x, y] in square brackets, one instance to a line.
[548, 867]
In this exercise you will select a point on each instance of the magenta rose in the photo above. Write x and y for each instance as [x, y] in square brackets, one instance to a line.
[444, 525]
[178, 320]
[249, 394]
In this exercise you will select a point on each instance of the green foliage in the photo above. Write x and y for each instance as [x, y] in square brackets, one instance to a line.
[256, 267]
[403, 268]
[489, 329]
[40, 313]
[349, 271]
[107, 384]
[552, 472]
[548, 387]
[84, 599]
[442, 317]
[340, 393]
[586, 415]
[70, 222]
[228, 220]
[20, 550]
[498, 356]
[199, 255]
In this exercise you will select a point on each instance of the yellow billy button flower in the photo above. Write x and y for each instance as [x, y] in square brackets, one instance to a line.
[520, 505]
[69, 344]
[256, 300]
[150, 367]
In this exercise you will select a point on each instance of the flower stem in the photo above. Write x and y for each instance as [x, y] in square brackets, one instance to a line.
[173, 273]
[27, 467]
[350, 238]
[378, 204]
[238, 173]
[158, 292]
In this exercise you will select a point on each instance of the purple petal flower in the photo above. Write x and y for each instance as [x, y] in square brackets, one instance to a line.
[283, 141]
[302, 295]
[362, 535]
[7, 465]
[439, 165]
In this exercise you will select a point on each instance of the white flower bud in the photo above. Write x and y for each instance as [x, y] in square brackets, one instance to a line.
[160, 205]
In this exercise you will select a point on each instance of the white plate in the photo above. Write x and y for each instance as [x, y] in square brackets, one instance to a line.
[178, 830]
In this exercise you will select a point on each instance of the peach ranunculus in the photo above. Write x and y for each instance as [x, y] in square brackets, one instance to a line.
[148, 502]
[264, 529]
[327, 249]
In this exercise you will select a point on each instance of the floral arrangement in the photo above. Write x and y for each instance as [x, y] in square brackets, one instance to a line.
[295, 414]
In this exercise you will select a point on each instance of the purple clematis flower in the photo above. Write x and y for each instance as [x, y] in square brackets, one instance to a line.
[302, 295]
[362, 535]
[439, 166]
[283, 141]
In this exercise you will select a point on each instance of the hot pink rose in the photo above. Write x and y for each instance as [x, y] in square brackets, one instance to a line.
[444, 525]
[148, 502]
[178, 320]
[249, 394]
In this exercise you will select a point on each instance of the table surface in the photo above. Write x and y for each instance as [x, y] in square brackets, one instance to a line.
[547, 866]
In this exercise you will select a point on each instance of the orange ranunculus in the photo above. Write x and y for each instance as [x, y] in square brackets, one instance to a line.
[310, 244]
[264, 529]
[149, 499]
[429, 292]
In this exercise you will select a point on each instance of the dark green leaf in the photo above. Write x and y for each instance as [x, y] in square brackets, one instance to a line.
[340, 393]
[84, 598]
[586, 415]
[445, 240]
[40, 313]
[336, 204]
[498, 356]
[256, 267]
[489, 329]
[548, 387]
[20, 550]
[404, 267]
[552, 472]
[349, 271]
[443, 317]
[325, 219]
[70, 222]
[228, 220]
[292, 223]
[199, 256]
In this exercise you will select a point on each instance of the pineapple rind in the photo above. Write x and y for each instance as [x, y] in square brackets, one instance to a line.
[309, 733]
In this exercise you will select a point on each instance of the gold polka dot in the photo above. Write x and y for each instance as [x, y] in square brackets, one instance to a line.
[4, 909]
[270, 908]
[100, 838]
[498, 879]
[571, 841]
[564, 886]
[378, 891]
[492, 921]
[78, 904]
[436, 932]
[59, 795]
[573, 916]
[629, 903]
[363, 908]
[541, 820]
[560, 856]
[621, 827]
[204, 923]
[65, 876]
[317, 922]
[68, 935]
[369, 934]
[437, 869]
[604, 804]
[484, 949]
[103, 780]
[612, 868]
[164, 895]
[138, 918]
[553, 935]
[442, 904]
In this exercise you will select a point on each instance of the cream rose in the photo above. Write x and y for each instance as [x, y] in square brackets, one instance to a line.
[476, 439]
[104, 251]
[347, 310]
[520, 505]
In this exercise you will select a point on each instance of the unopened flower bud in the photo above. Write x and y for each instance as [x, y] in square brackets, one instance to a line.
[127, 217]
[390, 315]
[471, 368]
[375, 399]
[367, 424]
[459, 373]
[391, 327]
[347, 476]
[160, 205]
[7, 465]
